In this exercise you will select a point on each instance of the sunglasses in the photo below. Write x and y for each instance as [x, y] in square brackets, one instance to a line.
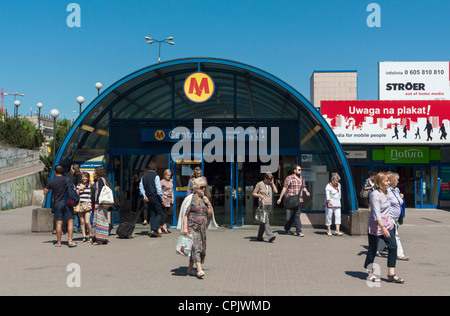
[202, 187]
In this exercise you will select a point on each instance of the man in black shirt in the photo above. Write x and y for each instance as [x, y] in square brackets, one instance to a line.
[59, 209]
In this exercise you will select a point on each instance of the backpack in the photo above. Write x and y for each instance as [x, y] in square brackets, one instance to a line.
[71, 195]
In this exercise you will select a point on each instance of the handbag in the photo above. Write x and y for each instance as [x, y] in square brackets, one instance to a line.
[364, 194]
[292, 202]
[106, 197]
[261, 214]
[184, 245]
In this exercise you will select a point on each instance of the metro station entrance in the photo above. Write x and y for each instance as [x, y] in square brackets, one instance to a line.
[230, 184]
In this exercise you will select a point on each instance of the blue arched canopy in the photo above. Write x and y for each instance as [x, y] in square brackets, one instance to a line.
[244, 94]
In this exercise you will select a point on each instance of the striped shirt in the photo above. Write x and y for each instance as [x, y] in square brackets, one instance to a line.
[85, 195]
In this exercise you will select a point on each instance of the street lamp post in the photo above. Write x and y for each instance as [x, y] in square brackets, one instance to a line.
[54, 113]
[167, 41]
[98, 86]
[39, 106]
[80, 101]
[16, 109]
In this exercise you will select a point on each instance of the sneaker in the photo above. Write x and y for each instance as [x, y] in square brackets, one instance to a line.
[299, 234]
[272, 239]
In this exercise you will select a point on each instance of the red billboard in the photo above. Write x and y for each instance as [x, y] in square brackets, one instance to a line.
[389, 122]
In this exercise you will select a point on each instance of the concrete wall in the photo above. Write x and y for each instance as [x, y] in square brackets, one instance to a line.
[18, 192]
[14, 158]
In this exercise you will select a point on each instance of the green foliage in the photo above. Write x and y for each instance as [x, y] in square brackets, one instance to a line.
[20, 134]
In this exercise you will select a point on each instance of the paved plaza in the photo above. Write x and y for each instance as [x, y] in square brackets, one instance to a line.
[236, 264]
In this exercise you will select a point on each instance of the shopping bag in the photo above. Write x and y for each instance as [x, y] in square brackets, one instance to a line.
[261, 214]
[184, 245]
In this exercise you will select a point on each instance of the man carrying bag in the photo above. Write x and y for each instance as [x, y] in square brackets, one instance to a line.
[294, 186]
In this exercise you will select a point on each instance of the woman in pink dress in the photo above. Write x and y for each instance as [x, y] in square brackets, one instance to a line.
[167, 190]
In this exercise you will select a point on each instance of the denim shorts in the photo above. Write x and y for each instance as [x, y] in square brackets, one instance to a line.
[62, 211]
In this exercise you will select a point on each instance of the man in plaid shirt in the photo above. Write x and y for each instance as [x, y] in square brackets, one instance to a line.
[294, 185]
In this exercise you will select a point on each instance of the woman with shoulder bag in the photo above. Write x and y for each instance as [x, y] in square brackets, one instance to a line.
[396, 199]
[84, 207]
[101, 221]
[264, 191]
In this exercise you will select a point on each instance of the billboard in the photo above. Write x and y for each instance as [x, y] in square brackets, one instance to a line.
[389, 122]
[414, 80]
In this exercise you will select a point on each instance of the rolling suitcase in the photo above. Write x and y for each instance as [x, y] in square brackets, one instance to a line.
[126, 229]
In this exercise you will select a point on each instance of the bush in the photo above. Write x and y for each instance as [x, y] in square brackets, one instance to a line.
[20, 134]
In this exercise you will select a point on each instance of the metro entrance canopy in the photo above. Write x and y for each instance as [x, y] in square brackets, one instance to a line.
[124, 116]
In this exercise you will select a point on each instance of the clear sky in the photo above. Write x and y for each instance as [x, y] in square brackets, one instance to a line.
[50, 62]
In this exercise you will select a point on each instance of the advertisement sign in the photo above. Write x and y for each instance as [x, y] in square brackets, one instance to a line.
[389, 122]
[414, 80]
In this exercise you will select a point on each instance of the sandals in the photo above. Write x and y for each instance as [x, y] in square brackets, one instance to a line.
[395, 279]
[405, 258]
[200, 274]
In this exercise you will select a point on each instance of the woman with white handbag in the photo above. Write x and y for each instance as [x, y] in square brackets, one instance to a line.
[100, 227]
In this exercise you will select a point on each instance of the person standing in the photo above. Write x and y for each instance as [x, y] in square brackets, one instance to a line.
[264, 191]
[150, 188]
[381, 225]
[294, 185]
[85, 206]
[167, 190]
[75, 176]
[101, 221]
[60, 210]
[333, 204]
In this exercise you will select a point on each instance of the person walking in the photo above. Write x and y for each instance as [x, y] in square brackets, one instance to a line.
[100, 228]
[429, 129]
[167, 190]
[381, 225]
[197, 173]
[396, 200]
[333, 204]
[60, 210]
[85, 206]
[264, 191]
[150, 187]
[294, 185]
[196, 214]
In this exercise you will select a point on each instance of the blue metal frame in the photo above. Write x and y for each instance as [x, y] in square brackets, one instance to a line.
[339, 151]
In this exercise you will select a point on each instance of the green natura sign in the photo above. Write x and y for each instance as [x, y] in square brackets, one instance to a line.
[406, 155]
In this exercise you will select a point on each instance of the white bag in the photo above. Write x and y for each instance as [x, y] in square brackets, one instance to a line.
[184, 245]
[106, 196]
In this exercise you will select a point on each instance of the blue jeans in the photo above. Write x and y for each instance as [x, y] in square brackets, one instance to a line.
[294, 220]
[391, 243]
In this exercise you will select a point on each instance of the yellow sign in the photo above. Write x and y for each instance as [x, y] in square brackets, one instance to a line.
[160, 135]
[199, 87]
